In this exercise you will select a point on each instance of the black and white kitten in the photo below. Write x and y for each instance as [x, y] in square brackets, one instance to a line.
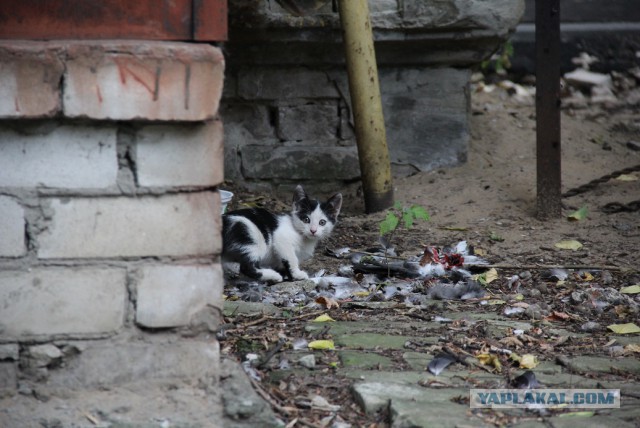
[271, 246]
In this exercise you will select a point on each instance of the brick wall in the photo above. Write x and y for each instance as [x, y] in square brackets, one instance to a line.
[110, 158]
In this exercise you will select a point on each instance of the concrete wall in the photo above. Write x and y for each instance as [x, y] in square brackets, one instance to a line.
[286, 104]
[110, 158]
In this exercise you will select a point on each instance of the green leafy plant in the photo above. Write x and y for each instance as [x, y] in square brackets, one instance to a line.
[499, 61]
[408, 215]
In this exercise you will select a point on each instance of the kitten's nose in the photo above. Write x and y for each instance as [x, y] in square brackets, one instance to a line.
[313, 231]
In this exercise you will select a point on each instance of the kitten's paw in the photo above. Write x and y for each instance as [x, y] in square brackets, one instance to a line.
[270, 275]
[299, 274]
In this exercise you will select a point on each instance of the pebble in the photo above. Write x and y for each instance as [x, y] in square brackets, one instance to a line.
[590, 326]
[633, 145]
[534, 293]
[308, 361]
[534, 312]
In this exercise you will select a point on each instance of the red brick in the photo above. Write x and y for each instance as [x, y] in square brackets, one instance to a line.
[128, 80]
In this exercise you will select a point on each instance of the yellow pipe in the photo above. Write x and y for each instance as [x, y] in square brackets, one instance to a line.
[364, 86]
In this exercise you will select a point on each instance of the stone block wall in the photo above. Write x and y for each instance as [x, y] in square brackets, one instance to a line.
[286, 104]
[110, 157]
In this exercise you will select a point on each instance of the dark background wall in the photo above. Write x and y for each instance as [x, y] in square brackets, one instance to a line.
[608, 29]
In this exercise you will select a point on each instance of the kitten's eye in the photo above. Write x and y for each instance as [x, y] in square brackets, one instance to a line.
[323, 222]
[306, 219]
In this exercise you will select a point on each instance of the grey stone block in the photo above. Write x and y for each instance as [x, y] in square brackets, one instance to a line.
[8, 376]
[308, 122]
[57, 301]
[252, 121]
[170, 225]
[9, 351]
[169, 296]
[426, 116]
[300, 163]
[272, 83]
[12, 241]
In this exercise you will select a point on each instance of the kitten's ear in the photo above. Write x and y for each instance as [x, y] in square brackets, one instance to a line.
[298, 195]
[334, 204]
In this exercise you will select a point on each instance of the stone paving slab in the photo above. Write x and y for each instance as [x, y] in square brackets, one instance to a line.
[387, 362]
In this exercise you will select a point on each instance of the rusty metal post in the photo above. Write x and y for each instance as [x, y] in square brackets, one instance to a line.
[549, 181]
[375, 166]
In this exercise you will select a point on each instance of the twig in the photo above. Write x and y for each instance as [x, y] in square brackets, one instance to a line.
[272, 352]
[264, 394]
[310, 314]
[309, 424]
[92, 418]
[255, 322]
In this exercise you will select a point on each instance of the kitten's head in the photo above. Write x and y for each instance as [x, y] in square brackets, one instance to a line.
[313, 219]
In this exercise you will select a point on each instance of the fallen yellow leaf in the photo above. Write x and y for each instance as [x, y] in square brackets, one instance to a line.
[624, 328]
[627, 177]
[324, 318]
[528, 361]
[585, 414]
[321, 345]
[490, 360]
[632, 289]
[568, 245]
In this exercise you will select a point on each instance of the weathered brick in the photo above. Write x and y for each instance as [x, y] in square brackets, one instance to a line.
[247, 122]
[300, 163]
[180, 155]
[30, 77]
[57, 300]
[104, 364]
[8, 376]
[68, 156]
[271, 84]
[11, 228]
[143, 80]
[170, 225]
[308, 122]
[169, 296]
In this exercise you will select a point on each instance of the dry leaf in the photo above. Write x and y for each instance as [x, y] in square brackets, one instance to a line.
[557, 316]
[327, 301]
[632, 348]
[511, 341]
